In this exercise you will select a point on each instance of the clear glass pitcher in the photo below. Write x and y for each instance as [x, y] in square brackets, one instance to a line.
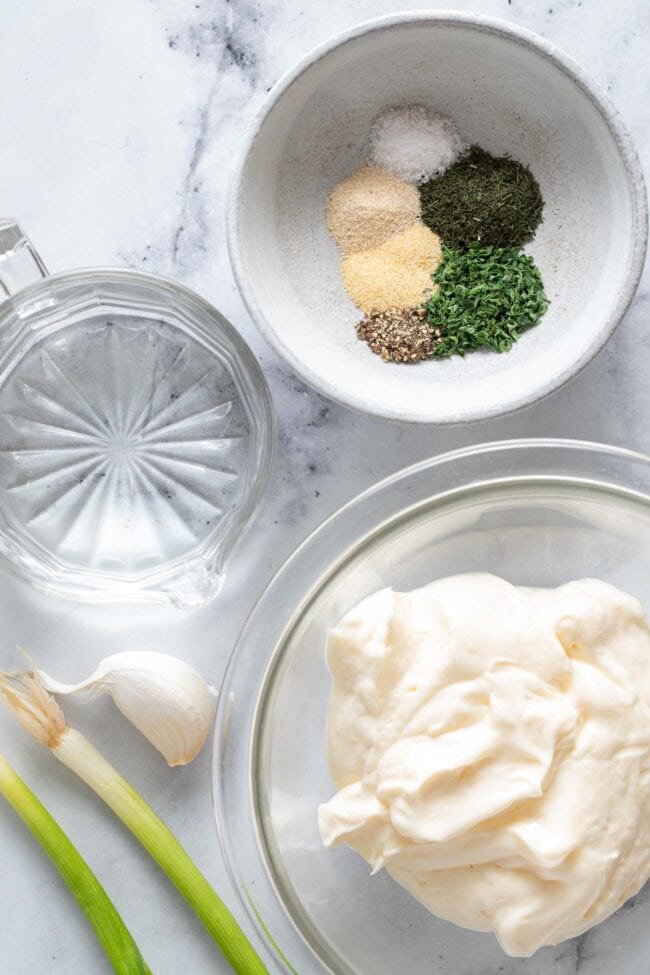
[136, 432]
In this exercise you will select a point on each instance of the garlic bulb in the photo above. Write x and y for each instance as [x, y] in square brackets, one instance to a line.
[162, 696]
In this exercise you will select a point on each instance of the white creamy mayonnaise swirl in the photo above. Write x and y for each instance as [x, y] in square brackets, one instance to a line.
[491, 749]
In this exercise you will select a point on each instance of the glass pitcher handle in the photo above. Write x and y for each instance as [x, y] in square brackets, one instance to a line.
[20, 263]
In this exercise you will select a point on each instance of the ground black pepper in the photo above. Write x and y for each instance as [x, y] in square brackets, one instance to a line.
[399, 334]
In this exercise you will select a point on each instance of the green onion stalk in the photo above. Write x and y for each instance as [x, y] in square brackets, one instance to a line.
[41, 716]
[109, 928]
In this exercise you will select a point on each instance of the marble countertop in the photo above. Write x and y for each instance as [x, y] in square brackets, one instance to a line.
[119, 121]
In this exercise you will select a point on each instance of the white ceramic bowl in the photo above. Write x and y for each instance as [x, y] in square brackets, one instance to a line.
[509, 91]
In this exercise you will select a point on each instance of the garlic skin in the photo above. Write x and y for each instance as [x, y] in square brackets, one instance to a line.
[162, 696]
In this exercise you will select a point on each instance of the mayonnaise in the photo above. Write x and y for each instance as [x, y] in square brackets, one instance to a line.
[491, 749]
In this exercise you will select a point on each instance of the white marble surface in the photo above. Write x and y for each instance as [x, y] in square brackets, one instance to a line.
[119, 121]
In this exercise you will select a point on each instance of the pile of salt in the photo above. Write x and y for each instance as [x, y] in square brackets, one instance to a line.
[414, 143]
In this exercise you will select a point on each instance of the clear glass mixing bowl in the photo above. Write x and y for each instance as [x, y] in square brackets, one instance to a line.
[538, 513]
[136, 432]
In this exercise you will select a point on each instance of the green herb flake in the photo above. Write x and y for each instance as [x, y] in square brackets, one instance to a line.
[486, 298]
[485, 198]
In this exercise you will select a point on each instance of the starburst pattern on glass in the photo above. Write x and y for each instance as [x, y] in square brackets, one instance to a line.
[123, 443]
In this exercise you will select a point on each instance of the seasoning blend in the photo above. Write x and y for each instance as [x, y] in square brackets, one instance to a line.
[414, 143]
[397, 274]
[485, 198]
[369, 207]
[486, 298]
[430, 236]
[399, 334]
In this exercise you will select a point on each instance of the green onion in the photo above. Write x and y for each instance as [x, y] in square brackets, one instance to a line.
[93, 900]
[40, 714]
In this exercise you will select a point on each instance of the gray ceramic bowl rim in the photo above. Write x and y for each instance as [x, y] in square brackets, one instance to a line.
[532, 42]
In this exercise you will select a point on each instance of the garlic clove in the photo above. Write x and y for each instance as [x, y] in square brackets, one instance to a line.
[162, 696]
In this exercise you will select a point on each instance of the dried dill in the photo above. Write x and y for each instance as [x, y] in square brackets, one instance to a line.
[486, 297]
[485, 198]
